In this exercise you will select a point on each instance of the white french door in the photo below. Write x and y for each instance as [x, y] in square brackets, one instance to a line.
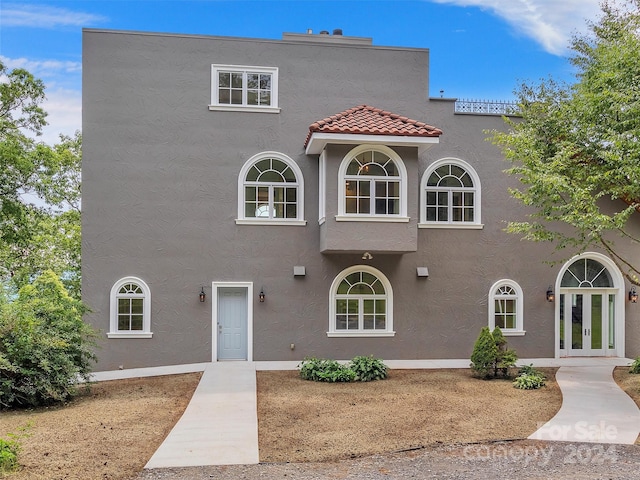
[587, 321]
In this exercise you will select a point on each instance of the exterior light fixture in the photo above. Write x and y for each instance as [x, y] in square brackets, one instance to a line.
[633, 295]
[550, 295]
[202, 294]
[261, 296]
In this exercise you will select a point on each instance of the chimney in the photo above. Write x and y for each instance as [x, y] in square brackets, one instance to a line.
[337, 31]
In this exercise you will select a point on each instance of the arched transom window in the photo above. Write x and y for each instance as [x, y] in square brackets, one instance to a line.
[130, 309]
[587, 273]
[361, 303]
[450, 194]
[506, 307]
[270, 190]
[373, 183]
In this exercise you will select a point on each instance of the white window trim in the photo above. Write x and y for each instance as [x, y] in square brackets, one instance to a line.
[387, 332]
[113, 311]
[343, 216]
[242, 220]
[215, 105]
[519, 297]
[322, 182]
[477, 188]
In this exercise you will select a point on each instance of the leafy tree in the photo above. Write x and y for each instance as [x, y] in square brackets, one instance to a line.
[576, 148]
[39, 189]
[46, 348]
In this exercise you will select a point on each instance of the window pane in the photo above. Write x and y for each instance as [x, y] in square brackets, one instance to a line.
[252, 81]
[353, 168]
[456, 198]
[252, 97]
[236, 97]
[224, 79]
[381, 322]
[278, 210]
[351, 205]
[381, 189]
[124, 305]
[236, 80]
[292, 211]
[363, 205]
[369, 322]
[364, 189]
[224, 96]
[292, 194]
[443, 215]
[369, 306]
[137, 305]
[352, 322]
[123, 322]
[450, 182]
[265, 81]
[343, 288]
[341, 305]
[381, 306]
[278, 194]
[341, 322]
[136, 322]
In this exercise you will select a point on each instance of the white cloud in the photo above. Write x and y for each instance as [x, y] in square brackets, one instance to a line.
[551, 23]
[42, 68]
[44, 16]
[64, 108]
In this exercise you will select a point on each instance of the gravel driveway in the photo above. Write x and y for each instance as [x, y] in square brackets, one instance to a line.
[522, 459]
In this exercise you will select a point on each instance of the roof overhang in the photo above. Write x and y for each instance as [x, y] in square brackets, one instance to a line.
[319, 141]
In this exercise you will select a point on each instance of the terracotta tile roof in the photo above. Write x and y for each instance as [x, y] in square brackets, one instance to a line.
[366, 120]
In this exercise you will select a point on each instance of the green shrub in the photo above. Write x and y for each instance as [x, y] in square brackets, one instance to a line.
[490, 355]
[635, 366]
[529, 378]
[363, 369]
[45, 347]
[323, 370]
[368, 368]
[9, 450]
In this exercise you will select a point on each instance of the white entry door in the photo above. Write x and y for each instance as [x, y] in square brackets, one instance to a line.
[232, 323]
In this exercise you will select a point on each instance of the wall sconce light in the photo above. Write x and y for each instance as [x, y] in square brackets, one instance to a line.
[633, 295]
[202, 294]
[550, 295]
[261, 295]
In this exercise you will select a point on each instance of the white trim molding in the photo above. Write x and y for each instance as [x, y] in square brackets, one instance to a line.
[518, 296]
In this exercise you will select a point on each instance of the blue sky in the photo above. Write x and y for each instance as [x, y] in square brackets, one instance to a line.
[479, 49]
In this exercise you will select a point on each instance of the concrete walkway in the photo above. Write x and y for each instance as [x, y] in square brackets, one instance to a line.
[594, 409]
[220, 424]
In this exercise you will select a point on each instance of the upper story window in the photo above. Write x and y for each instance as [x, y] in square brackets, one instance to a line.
[241, 88]
[373, 185]
[270, 190]
[130, 309]
[450, 195]
[361, 304]
[506, 307]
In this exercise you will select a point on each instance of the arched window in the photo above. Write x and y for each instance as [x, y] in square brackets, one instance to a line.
[506, 307]
[361, 303]
[130, 309]
[586, 273]
[450, 195]
[372, 184]
[270, 190]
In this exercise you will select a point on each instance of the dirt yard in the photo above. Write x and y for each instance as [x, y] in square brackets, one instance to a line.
[111, 432]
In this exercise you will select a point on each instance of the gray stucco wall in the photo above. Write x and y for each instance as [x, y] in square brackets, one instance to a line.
[160, 201]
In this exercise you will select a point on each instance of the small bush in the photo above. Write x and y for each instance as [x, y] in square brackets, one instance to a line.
[368, 368]
[323, 370]
[9, 450]
[635, 366]
[491, 356]
[363, 369]
[529, 378]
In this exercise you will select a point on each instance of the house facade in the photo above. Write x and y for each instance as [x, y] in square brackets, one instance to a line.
[249, 199]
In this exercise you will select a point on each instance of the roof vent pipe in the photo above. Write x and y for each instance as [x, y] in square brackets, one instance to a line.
[309, 31]
[324, 32]
[337, 31]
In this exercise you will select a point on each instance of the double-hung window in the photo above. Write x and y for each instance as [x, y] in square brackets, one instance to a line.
[450, 195]
[270, 190]
[242, 88]
[361, 304]
[506, 307]
[130, 309]
[373, 185]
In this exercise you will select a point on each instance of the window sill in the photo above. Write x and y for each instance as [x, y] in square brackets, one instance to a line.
[372, 218]
[454, 226]
[513, 333]
[360, 334]
[291, 223]
[243, 108]
[129, 335]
